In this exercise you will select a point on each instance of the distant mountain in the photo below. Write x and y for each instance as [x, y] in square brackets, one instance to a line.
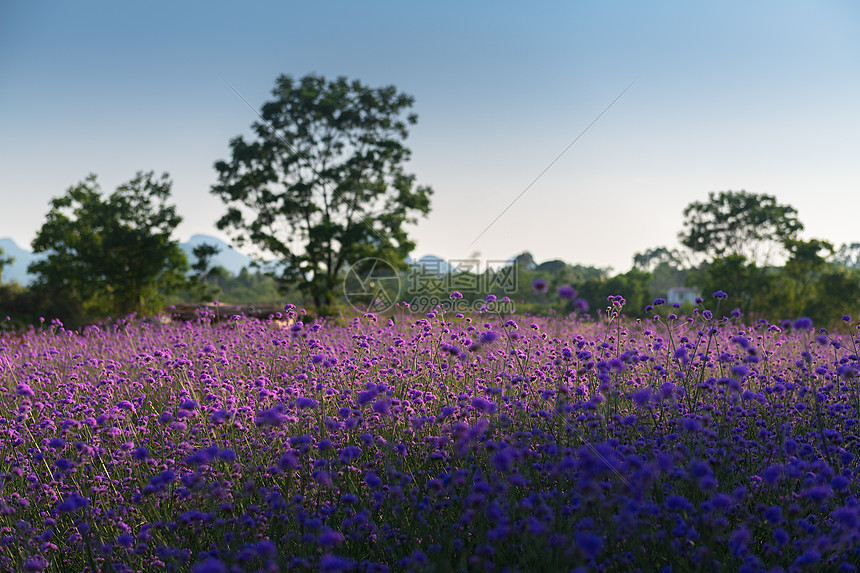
[431, 264]
[229, 258]
[17, 271]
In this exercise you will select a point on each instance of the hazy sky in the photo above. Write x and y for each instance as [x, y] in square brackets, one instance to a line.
[761, 96]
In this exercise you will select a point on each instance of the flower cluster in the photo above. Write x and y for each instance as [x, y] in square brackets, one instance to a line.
[431, 443]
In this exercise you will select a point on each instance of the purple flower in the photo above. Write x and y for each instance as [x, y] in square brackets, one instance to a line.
[63, 464]
[73, 503]
[303, 403]
[365, 397]
[140, 453]
[503, 460]
[659, 301]
[455, 295]
[125, 405]
[803, 323]
[372, 480]
[847, 517]
[334, 564]
[739, 371]
[211, 565]
[773, 514]
[589, 544]
[489, 337]
[642, 396]
[540, 286]
[483, 405]
[35, 564]
[719, 295]
[817, 493]
[288, 461]
[269, 417]
[329, 538]
[567, 291]
[382, 406]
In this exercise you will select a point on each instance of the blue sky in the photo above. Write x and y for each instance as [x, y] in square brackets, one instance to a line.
[760, 96]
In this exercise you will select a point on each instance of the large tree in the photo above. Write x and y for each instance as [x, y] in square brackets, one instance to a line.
[739, 223]
[322, 185]
[116, 251]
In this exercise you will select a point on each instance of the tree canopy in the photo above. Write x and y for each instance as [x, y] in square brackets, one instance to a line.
[113, 252]
[322, 185]
[751, 225]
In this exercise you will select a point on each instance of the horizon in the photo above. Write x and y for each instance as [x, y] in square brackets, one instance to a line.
[757, 97]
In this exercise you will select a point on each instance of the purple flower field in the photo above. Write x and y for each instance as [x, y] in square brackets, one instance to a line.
[432, 443]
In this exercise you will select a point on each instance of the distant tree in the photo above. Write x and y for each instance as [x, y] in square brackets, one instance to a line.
[668, 267]
[739, 223]
[525, 261]
[847, 256]
[554, 266]
[652, 258]
[837, 293]
[632, 285]
[323, 185]
[4, 261]
[755, 290]
[113, 251]
[806, 260]
[203, 254]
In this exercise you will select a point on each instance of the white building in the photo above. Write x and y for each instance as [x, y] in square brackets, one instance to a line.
[680, 295]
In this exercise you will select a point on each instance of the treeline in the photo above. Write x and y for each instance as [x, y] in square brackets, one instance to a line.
[320, 186]
[746, 245]
[111, 256]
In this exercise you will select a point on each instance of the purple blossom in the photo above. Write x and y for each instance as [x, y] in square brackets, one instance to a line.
[73, 503]
[211, 565]
[567, 292]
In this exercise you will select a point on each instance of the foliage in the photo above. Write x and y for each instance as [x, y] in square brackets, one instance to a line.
[656, 257]
[848, 256]
[668, 268]
[632, 286]
[738, 223]
[203, 254]
[750, 288]
[113, 254]
[4, 261]
[245, 288]
[803, 272]
[323, 186]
